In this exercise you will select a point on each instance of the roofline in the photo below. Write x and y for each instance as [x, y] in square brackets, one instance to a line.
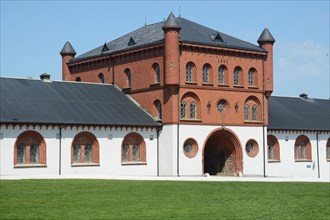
[114, 53]
[75, 124]
[297, 129]
[160, 43]
[225, 46]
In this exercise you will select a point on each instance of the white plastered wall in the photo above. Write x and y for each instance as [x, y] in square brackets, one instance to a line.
[288, 167]
[194, 166]
[109, 140]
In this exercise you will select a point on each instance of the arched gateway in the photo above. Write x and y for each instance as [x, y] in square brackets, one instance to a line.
[222, 153]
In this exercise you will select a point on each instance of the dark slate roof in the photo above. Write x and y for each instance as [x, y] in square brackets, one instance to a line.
[68, 49]
[56, 102]
[299, 113]
[190, 33]
[170, 22]
[266, 36]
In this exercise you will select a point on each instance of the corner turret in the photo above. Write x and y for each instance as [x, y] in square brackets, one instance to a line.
[171, 32]
[266, 41]
[67, 54]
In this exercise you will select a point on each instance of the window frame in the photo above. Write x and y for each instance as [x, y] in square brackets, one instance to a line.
[190, 107]
[222, 75]
[27, 140]
[133, 141]
[237, 77]
[128, 74]
[190, 73]
[302, 149]
[194, 148]
[254, 150]
[272, 141]
[80, 142]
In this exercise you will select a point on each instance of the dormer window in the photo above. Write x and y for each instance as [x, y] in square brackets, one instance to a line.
[131, 42]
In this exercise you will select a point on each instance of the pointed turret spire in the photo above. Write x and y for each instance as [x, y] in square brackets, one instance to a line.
[170, 22]
[266, 36]
[68, 49]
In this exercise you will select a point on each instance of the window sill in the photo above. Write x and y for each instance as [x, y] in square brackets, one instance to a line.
[252, 122]
[191, 119]
[133, 163]
[302, 160]
[207, 84]
[238, 86]
[191, 83]
[274, 161]
[223, 85]
[253, 87]
[85, 164]
[154, 84]
[29, 165]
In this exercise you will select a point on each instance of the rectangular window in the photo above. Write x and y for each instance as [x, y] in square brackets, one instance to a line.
[254, 112]
[76, 153]
[189, 73]
[125, 153]
[246, 112]
[183, 109]
[205, 74]
[88, 154]
[296, 152]
[21, 154]
[34, 153]
[303, 151]
[271, 152]
[221, 76]
[236, 77]
[157, 71]
[251, 78]
[193, 110]
[136, 152]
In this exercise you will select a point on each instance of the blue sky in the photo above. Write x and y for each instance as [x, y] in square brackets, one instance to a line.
[34, 32]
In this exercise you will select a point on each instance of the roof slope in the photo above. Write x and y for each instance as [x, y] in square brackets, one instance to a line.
[190, 33]
[35, 101]
[299, 114]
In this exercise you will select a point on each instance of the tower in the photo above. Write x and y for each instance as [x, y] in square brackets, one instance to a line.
[171, 31]
[266, 41]
[67, 54]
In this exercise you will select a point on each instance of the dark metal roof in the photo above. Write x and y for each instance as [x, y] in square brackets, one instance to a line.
[190, 33]
[56, 102]
[68, 49]
[266, 36]
[299, 113]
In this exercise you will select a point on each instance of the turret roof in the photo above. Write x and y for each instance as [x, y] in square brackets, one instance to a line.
[266, 36]
[68, 49]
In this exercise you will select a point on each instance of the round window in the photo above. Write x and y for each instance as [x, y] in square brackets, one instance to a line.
[190, 148]
[222, 105]
[187, 148]
[252, 148]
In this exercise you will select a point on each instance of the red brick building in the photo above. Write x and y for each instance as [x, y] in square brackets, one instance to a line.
[208, 89]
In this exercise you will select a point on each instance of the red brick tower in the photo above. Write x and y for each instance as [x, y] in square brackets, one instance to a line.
[266, 41]
[172, 56]
[67, 54]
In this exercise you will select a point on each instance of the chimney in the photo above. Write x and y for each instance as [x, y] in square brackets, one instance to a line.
[303, 95]
[45, 77]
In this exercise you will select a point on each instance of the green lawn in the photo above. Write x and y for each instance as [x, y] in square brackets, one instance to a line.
[116, 199]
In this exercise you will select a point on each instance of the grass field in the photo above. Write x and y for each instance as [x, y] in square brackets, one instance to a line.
[116, 199]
